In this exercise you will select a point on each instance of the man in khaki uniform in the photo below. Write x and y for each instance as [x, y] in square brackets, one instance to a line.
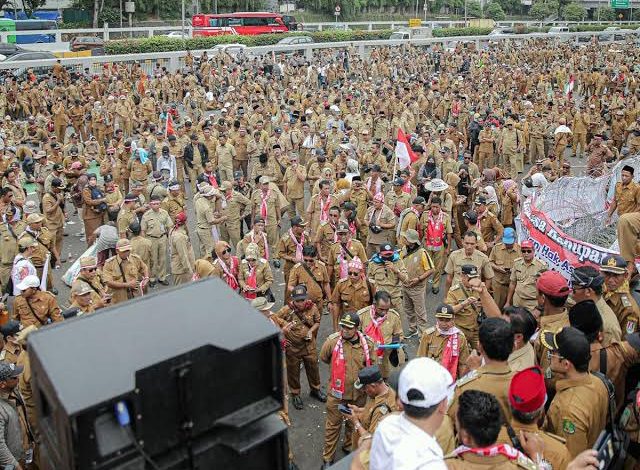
[522, 281]
[466, 305]
[174, 203]
[266, 204]
[468, 255]
[181, 251]
[235, 206]
[290, 247]
[383, 325]
[381, 222]
[527, 397]
[52, 204]
[496, 344]
[578, 412]
[502, 258]
[352, 293]
[320, 205]
[485, 154]
[125, 273]
[34, 306]
[155, 226]
[326, 235]
[9, 233]
[444, 335]
[341, 252]
[346, 352]
[437, 230]
[294, 178]
[226, 154]
[579, 128]
[618, 295]
[312, 274]
[42, 236]
[396, 199]
[626, 198]
[90, 277]
[536, 140]
[511, 146]
[419, 267]
[206, 219]
[387, 271]
[126, 214]
[381, 401]
[490, 227]
[139, 172]
[301, 320]
[254, 274]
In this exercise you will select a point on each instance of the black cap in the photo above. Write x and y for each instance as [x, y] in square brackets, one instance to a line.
[470, 270]
[586, 277]
[108, 178]
[57, 183]
[419, 200]
[471, 216]
[397, 181]
[237, 174]
[130, 197]
[10, 328]
[297, 220]
[368, 375]
[386, 247]
[342, 228]
[134, 227]
[57, 166]
[165, 149]
[349, 206]
[615, 264]
[299, 292]
[375, 167]
[350, 320]
[585, 317]
[570, 343]
[628, 168]
[481, 200]
[444, 311]
[258, 220]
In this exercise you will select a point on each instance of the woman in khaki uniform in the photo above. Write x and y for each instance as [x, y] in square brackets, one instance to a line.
[95, 205]
[254, 276]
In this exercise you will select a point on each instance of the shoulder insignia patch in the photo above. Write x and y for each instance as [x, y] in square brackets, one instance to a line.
[632, 325]
[470, 377]
[568, 427]
[625, 301]
[430, 330]
[384, 409]
[334, 335]
[524, 462]
[556, 437]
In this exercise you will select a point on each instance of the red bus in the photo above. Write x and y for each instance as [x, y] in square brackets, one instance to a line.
[244, 23]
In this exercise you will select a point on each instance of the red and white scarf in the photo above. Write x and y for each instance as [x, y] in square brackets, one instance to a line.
[378, 184]
[324, 208]
[406, 187]
[252, 282]
[451, 351]
[230, 273]
[263, 204]
[339, 365]
[435, 230]
[342, 261]
[374, 329]
[491, 451]
[299, 244]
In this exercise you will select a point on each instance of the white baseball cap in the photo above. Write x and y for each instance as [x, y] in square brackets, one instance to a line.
[428, 377]
[29, 281]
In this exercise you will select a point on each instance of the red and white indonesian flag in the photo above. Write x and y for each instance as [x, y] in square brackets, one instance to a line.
[404, 154]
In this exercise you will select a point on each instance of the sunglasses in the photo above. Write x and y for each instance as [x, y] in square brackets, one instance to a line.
[226, 250]
[90, 269]
[354, 273]
[526, 251]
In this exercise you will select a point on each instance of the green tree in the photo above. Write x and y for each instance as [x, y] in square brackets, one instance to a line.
[574, 12]
[29, 6]
[541, 9]
[474, 8]
[494, 11]
[605, 13]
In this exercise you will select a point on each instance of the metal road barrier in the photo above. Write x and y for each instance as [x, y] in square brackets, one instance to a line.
[175, 60]
[109, 33]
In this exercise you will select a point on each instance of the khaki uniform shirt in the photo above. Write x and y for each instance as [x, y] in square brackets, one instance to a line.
[156, 224]
[552, 323]
[125, 217]
[391, 329]
[351, 296]
[522, 358]
[385, 216]
[273, 205]
[41, 250]
[490, 227]
[470, 461]
[354, 358]
[295, 187]
[458, 258]
[174, 205]
[337, 252]
[466, 318]
[264, 276]
[432, 346]
[98, 289]
[9, 242]
[315, 285]
[142, 247]
[494, 379]
[41, 309]
[325, 236]
[627, 197]
[204, 213]
[620, 356]
[504, 258]
[52, 211]
[578, 412]
[386, 279]
[555, 449]
[376, 409]
[397, 202]
[625, 307]
[133, 268]
[236, 206]
[610, 326]
[182, 257]
[302, 323]
[417, 263]
[525, 276]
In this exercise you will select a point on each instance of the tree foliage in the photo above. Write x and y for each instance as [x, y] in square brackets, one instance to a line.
[574, 12]
[605, 13]
[543, 9]
[29, 6]
[494, 11]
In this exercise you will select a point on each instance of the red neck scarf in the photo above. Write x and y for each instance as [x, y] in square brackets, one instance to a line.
[324, 208]
[264, 242]
[339, 365]
[263, 204]
[230, 273]
[490, 451]
[451, 355]
[374, 329]
[342, 260]
[252, 281]
[299, 244]
[406, 187]
[435, 230]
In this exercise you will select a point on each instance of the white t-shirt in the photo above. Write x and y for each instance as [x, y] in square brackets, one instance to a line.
[399, 444]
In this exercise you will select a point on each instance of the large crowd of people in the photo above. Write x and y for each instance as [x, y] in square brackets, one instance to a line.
[256, 169]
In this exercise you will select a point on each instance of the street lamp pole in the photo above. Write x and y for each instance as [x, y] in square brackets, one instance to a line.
[183, 19]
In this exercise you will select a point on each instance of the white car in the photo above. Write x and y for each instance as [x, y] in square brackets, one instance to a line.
[178, 35]
[234, 50]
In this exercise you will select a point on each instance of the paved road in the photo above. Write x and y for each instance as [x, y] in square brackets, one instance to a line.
[306, 433]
